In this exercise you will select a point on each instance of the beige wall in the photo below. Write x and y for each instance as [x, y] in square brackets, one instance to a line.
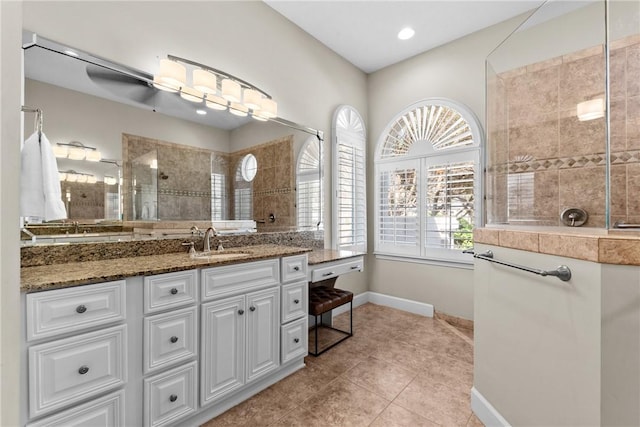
[538, 340]
[454, 71]
[10, 136]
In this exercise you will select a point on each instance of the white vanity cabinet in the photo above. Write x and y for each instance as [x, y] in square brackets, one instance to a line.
[294, 335]
[170, 347]
[76, 350]
[240, 333]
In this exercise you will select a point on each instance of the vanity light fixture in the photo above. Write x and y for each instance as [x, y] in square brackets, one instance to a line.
[218, 89]
[406, 33]
[76, 150]
[109, 180]
[590, 110]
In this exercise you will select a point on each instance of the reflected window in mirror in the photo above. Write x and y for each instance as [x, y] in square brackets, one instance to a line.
[349, 178]
[243, 193]
[309, 185]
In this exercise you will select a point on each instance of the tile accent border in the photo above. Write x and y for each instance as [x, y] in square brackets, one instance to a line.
[603, 247]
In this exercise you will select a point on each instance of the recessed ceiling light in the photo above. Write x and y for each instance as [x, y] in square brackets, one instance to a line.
[70, 52]
[406, 33]
[201, 112]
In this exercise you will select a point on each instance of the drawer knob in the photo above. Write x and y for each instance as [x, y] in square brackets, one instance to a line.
[296, 340]
[296, 301]
[296, 268]
[81, 308]
[83, 370]
[331, 273]
[173, 398]
[173, 339]
[173, 291]
[241, 312]
[355, 267]
[252, 308]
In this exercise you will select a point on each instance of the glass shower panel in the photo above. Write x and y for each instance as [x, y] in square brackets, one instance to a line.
[145, 186]
[542, 158]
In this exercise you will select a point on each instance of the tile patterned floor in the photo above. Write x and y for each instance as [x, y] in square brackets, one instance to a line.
[399, 369]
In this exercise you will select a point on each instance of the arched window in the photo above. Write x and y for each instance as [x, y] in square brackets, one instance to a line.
[349, 172]
[243, 189]
[309, 185]
[427, 189]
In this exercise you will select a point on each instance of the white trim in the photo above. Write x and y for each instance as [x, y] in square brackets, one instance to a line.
[485, 411]
[436, 262]
[415, 307]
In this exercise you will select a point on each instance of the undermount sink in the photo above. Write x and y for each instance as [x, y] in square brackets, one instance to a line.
[212, 256]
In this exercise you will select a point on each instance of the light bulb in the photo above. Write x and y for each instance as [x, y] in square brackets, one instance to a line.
[268, 108]
[231, 90]
[204, 81]
[252, 99]
[60, 150]
[238, 109]
[191, 94]
[172, 73]
[77, 153]
[216, 102]
[93, 156]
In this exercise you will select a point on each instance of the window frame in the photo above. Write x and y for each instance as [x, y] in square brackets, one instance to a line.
[348, 123]
[424, 157]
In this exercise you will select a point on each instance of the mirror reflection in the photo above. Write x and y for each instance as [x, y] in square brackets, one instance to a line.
[161, 159]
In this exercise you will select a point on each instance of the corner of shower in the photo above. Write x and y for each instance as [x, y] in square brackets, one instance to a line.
[563, 118]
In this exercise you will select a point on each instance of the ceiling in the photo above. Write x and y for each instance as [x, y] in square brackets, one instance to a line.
[365, 32]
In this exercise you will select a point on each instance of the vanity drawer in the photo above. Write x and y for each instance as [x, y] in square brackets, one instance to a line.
[294, 301]
[107, 411]
[170, 338]
[239, 278]
[170, 396]
[170, 290]
[336, 268]
[61, 311]
[294, 268]
[294, 340]
[66, 371]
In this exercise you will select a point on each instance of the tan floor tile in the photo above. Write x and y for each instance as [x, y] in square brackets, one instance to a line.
[474, 421]
[263, 409]
[397, 416]
[306, 382]
[442, 341]
[411, 357]
[449, 371]
[341, 403]
[383, 378]
[435, 401]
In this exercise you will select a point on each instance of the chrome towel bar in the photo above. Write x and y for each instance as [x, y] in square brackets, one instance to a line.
[563, 272]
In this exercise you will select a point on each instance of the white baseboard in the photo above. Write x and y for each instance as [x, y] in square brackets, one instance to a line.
[414, 307]
[485, 411]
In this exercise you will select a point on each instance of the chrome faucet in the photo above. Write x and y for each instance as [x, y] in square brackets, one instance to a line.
[211, 232]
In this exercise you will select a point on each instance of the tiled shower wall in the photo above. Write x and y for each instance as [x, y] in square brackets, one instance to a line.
[542, 159]
[274, 184]
[185, 193]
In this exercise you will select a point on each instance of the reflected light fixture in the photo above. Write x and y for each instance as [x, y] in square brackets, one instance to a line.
[590, 110]
[219, 90]
[76, 150]
[201, 112]
[73, 176]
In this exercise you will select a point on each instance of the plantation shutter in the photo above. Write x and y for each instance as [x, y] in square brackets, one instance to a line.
[350, 216]
[308, 188]
[218, 197]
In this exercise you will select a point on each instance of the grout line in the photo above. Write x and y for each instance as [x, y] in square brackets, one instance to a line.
[454, 330]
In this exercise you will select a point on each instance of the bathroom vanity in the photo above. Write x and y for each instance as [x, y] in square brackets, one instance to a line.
[162, 339]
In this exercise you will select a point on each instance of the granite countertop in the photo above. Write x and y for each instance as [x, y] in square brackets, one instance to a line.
[319, 256]
[54, 276]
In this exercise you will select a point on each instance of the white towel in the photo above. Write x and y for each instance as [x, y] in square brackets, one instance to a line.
[40, 194]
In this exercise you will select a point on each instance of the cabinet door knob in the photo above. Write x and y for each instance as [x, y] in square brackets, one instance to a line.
[81, 308]
[174, 291]
[252, 308]
[296, 301]
[173, 339]
[83, 370]
[173, 397]
[241, 312]
[296, 268]
[296, 340]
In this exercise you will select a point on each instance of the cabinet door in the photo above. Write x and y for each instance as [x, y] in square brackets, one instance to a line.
[222, 345]
[263, 337]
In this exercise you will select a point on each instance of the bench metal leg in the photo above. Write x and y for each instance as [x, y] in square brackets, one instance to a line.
[321, 324]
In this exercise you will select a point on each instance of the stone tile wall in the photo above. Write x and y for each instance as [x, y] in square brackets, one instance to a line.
[534, 133]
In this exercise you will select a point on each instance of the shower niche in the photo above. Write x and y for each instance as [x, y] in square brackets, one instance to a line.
[563, 118]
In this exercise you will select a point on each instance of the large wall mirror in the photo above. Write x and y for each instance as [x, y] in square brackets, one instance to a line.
[164, 158]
